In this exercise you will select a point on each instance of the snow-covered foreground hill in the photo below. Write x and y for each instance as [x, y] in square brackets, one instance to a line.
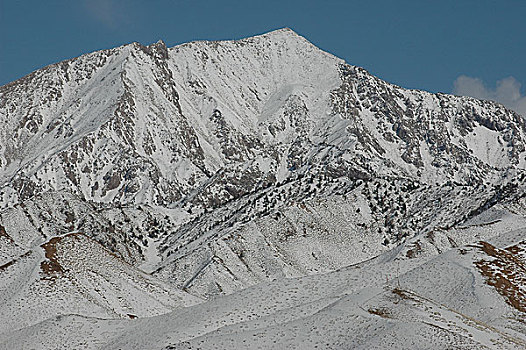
[255, 193]
[469, 297]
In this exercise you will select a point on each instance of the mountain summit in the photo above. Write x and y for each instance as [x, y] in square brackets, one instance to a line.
[201, 170]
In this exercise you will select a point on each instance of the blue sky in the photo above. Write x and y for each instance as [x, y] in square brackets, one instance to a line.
[417, 44]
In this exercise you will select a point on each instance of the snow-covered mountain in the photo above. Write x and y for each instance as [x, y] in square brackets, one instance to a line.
[144, 179]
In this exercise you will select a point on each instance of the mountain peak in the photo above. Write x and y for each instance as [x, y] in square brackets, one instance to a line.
[284, 30]
[282, 33]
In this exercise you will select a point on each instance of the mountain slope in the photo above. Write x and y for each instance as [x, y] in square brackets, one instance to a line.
[73, 274]
[441, 301]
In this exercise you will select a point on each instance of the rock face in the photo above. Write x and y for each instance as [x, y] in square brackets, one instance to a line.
[214, 166]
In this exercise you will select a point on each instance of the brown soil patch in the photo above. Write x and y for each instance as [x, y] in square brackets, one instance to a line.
[506, 271]
[414, 251]
[51, 268]
[519, 250]
[402, 294]
[304, 207]
[3, 233]
[382, 312]
[5, 266]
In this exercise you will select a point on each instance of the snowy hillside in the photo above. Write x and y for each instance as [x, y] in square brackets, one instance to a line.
[436, 302]
[273, 184]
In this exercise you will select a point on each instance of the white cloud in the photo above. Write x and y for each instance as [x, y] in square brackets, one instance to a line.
[507, 92]
[104, 11]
